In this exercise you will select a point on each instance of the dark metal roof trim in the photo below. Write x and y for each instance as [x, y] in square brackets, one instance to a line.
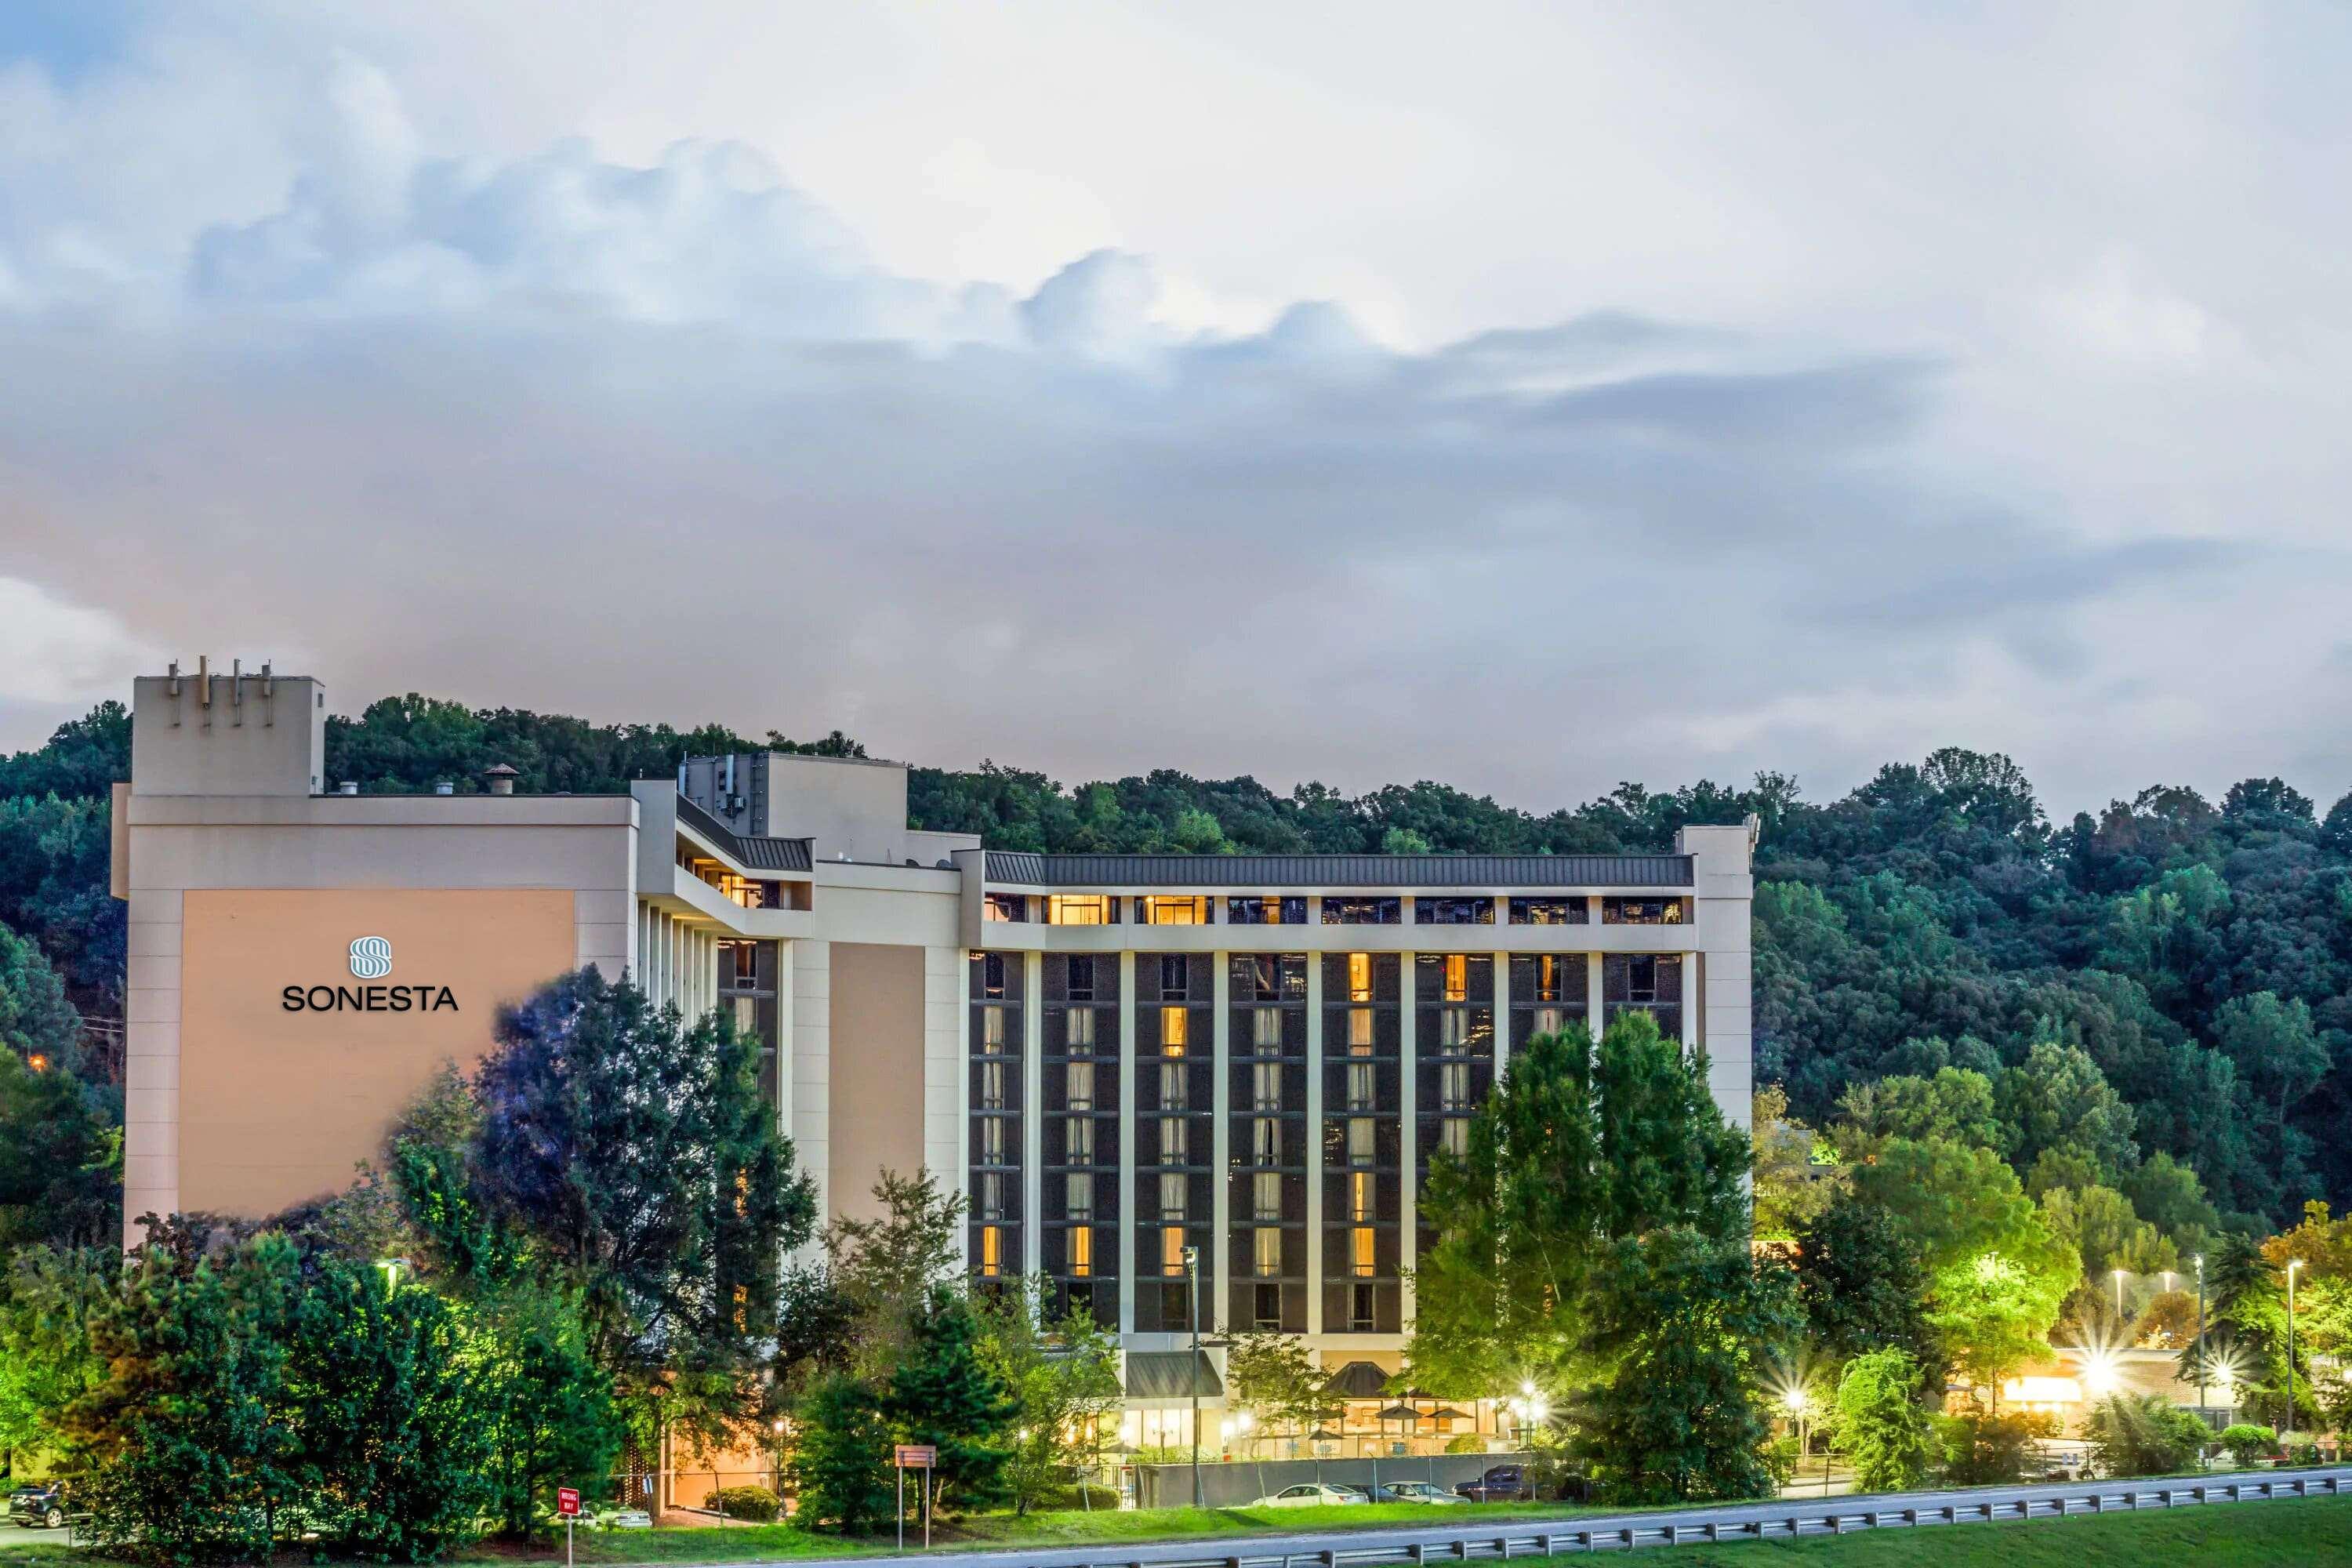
[1339, 870]
[758, 854]
[1168, 1374]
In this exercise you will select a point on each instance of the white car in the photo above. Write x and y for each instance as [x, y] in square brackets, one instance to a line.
[1419, 1491]
[1311, 1494]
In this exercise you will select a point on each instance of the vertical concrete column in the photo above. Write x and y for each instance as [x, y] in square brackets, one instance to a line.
[150, 1062]
[1314, 1135]
[1593, 992]
[1218, 1271]
[1409, 1143]
[785, 1044]
[1694, 1026]
[811, 1026]
[1501, 1007]
[1033, 1110]
[1130, 1127]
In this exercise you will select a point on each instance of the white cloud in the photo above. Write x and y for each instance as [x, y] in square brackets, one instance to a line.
[56, 652]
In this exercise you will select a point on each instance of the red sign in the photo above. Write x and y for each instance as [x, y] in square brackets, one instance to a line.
[917, 1455]
[567, 1503]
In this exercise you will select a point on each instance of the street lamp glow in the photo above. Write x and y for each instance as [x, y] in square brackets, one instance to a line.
[1793, 1399]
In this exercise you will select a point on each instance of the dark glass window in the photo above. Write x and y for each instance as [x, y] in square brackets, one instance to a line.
[991, 975]
[1006, 907]
[1082, 977]
[1360, 912]
[1174, 979]
[1550, 912]
[1454, 912]
[1641, 912]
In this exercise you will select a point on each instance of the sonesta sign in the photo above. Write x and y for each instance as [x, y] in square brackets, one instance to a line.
[371, 959]
[368, 999]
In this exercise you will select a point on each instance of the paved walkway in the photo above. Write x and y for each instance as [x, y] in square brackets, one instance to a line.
[1308, 1543]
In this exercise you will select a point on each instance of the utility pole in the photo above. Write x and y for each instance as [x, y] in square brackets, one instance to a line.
[2200, 1332]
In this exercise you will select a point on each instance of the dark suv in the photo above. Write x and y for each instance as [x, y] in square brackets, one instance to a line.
[39, 1503]
[1503, 1483]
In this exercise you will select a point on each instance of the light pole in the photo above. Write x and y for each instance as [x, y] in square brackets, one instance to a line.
[2293, 1265]
[1192, 1376]
[2200, 1261]
[2119, 1297]
[1794, 1400]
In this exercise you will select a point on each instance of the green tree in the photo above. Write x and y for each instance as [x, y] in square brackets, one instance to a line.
[2058, 1098]
[1676, 1324]
[1957, 1104]
[945, 1394]
[1878, 1417]
[1861, 1283]
[48, 1297]
[1666, 1154]
[1983, 1449]
[191, 1441]
[60, 1158]
[2280, 1059]
[638, 1155]
[2099, 1225]
[1791, 1190]
[552, 1417]
[841, 1460]
[882, 1269]
[1064, 1385]
[395, 1435]
[1276, 1377]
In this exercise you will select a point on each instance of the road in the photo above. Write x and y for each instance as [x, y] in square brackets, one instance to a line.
[1308, 1543]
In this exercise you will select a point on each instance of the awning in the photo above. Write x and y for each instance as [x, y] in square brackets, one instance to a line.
[1358, 1379]
[1172, 1375]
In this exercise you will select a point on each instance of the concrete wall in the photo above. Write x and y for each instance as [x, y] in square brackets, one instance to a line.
[875, 1018]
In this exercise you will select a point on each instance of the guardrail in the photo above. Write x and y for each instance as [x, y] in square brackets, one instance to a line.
[1762, 1521]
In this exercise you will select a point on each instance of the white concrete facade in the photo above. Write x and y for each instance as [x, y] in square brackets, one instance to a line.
[1312, 1085]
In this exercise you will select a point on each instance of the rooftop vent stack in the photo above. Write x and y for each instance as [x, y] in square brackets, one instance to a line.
[348, 787]
[502, 778]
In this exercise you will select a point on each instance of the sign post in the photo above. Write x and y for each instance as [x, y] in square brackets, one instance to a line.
[921, 1457]
[567, 1503]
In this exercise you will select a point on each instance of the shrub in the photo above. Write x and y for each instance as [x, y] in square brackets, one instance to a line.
[1989, 1450]
[2143, 1435]
[2248, 1444]
[757, 1504]
[1466, 1443]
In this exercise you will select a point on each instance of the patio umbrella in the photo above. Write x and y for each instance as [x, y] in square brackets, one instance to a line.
[1399, 1413]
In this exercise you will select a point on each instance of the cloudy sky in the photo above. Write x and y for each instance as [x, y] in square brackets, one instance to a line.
[1526, 396]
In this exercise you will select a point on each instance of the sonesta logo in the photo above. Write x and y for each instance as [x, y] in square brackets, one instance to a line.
[371, 959]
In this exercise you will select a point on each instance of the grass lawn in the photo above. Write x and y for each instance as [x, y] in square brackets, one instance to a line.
[2296, 1532]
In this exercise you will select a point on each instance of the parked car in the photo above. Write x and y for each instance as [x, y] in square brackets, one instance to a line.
[1502, 1483]
[1311, 1494]
[1415, 1491]
[39, 1503]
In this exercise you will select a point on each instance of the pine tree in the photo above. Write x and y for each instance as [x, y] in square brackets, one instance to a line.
[1879, 1419]
[841, 1459]
[945, 1395]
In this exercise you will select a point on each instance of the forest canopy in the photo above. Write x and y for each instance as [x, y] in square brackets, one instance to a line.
[2169, 977]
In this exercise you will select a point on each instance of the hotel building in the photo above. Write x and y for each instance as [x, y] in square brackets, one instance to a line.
[1117, 1057]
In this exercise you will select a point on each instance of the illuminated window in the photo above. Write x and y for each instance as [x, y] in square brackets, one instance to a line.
[1359, 1197]
[1550, 912]
[1171, 1250]
[1360, 977]
[1188, 910]
[1265, 1252]
[1013, 907]
[1082, 1252]
[1266, 1196]
[1266, 1031]
[1171, 1197]
[1550, 974]
[1457, 977]
[1363, 1260]
[1641, 912]
[991, 1251]
[1360, 1031]
[1175, 1030]
[1077, 909]
[1078, 1087]
[1079, 1031]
